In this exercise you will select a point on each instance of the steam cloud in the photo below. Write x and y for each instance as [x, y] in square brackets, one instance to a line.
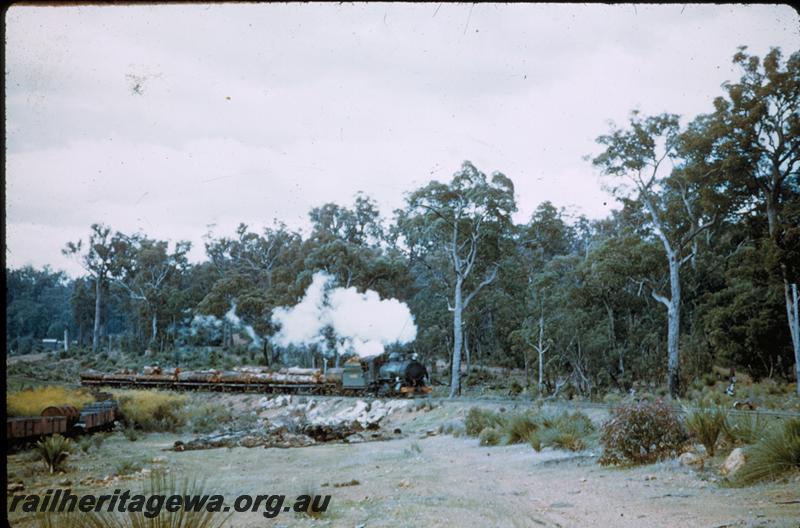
[213, 325]
[363, 323]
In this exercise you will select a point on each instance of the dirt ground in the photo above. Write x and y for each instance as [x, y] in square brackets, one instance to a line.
[425, 479]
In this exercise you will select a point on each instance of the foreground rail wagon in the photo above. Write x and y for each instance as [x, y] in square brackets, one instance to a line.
[392, 376]
[65, 420]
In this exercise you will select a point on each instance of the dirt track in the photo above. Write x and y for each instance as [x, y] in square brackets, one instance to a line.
[439, 481]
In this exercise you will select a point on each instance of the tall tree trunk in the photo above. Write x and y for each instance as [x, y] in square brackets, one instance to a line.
[673, 327]
[789, 289]
[98, 303]
[794, 325]
[541, 350]
[154, 327]
[455, 371]
[466, 350]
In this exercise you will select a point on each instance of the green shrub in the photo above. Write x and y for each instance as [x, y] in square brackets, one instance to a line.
[518, 427]
[642, 433]
[776, 453]
[489, 437]
[740, 430]
[207, 417]
[479, 419]
[54, 451]
[130, 432]
[706, 425]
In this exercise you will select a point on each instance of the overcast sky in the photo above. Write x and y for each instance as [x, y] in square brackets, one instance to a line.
[168, 119]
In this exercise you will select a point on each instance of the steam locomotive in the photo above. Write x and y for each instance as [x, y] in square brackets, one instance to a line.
[394, 375]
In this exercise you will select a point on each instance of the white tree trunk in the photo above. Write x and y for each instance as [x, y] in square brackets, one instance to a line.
[154, 327]
[794, 326]
[673, 328]
[455, 374]
[98, 294]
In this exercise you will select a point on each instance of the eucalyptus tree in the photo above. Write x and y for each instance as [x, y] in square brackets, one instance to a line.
[100, 259]
[147, 271]
[758, 137]
[638, 159]
[461, 222]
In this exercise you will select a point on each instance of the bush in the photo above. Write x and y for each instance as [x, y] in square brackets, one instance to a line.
[642, 433]
[518, 427]
[153, 410]
[743, 429]
[706, 425]
[776, 453]
[54, 451]
[130, 432]
[479, 419]
[489, 437]
[207, 417]
[32, 402]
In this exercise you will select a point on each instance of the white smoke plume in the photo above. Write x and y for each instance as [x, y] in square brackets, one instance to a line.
[238, 324]
[213, 326]
[362, 322]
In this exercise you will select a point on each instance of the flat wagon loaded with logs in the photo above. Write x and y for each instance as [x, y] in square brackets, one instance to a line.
[392, 376]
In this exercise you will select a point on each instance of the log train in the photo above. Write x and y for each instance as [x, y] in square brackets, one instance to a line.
[65, 420]
[394, 376]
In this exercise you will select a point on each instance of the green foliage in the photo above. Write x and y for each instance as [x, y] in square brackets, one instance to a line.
[706, 425]
[479, 419]
[53, 451]
[642, 433]
[207, 417]
[774, 454]
[489, 437]
[738, 430]
[518, 427]
[130, 432]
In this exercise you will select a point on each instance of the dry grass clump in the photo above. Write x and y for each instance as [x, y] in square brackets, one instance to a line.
[518, 427]
[153, 410]
[479, 419]
[560, 430]
[489, 437]
[31, 402]
[706, 425]
[567, 430]
[776, 453]
[743, 430]
[207, 417]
